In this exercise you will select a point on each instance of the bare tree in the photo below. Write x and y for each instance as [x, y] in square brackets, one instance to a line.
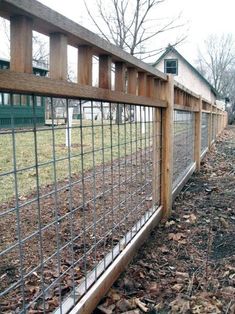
[40, 50]
[40, 45]
[216, 61]
[131, 24]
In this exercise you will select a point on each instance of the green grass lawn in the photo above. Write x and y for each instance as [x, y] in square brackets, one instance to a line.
[45, 141]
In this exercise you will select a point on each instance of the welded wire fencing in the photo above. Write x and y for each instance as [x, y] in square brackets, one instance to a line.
[183, 150]
[204, 131]
[73, 193]
[86, 167]
[214, 126]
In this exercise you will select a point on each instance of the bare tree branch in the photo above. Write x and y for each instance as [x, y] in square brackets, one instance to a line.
[216, 60]
[130, 24]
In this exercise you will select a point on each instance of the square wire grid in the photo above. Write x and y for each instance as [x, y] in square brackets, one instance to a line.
[72, 196]
[204, 131]
[183, 150]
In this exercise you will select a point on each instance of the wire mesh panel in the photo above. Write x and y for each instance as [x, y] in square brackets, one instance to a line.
[204, 131]
[183, 151]
[73, 193]
[214, 125]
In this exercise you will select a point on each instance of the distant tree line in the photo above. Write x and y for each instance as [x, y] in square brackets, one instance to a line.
[216, 62]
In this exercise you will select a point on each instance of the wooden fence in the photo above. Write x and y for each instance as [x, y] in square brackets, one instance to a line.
[137, 86]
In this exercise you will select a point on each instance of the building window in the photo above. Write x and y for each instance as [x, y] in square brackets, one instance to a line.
[171, 66]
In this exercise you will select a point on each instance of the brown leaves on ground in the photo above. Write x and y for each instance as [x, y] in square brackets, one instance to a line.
[188, 264]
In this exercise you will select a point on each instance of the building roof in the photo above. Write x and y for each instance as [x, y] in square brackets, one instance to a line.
[36, 65]
[172, 49]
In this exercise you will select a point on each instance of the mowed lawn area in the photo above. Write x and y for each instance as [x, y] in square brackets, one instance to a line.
[46, 147]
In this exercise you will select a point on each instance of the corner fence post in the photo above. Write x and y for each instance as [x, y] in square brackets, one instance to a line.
[167, 148]
[197, 136]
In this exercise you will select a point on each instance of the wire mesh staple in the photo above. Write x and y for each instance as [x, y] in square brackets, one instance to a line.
[73, 193]
[204, 131]
[183, 150]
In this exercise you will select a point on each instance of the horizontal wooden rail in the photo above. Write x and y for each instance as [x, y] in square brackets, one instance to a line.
[186, 108]
[186, 90]
[44, 86]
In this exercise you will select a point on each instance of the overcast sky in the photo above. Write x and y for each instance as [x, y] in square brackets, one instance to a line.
[201, 18]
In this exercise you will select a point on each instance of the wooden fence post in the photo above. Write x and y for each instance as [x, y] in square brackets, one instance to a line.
[197, 137]
[58, 56]
[120, 76]
[210, 128]
[21, 44]
[85, 65]
[105, 62]
[156, 178]
[167, 148]
[132, 81]
[142, 84]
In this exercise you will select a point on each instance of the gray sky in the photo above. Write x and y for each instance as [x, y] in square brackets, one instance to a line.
[201, 17]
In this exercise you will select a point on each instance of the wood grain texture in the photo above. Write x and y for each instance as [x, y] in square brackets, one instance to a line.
[197, 135]
[156, 177]
[186, 108]
[210, 116]
[150, 86]
[85, 54]
[105, 63]
[167, 151]
[142, 83]
[120, 76]
[186, 90]
[58, 56]
[132, 81]
[21, 44]
[29, 83]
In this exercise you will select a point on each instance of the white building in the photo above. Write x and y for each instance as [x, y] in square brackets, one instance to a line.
[171, 61]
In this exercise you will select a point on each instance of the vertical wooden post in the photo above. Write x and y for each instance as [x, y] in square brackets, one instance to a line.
[210, 128]
[21, 44]
[58, 56]
[197, 137]
[105, 63]
[120, 76]
[156, 181]
[167, 147]
[150, 86]
[132, 81]
[142, 83]
[85, 65]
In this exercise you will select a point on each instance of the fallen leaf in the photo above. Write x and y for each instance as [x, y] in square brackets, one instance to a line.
[180, 306]
[169, 223]
[141, 305]
[177, 287]
[224, 223]
[176, 236]
[124, 305]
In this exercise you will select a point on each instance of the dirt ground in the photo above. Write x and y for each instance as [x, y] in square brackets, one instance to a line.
[188, 266]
